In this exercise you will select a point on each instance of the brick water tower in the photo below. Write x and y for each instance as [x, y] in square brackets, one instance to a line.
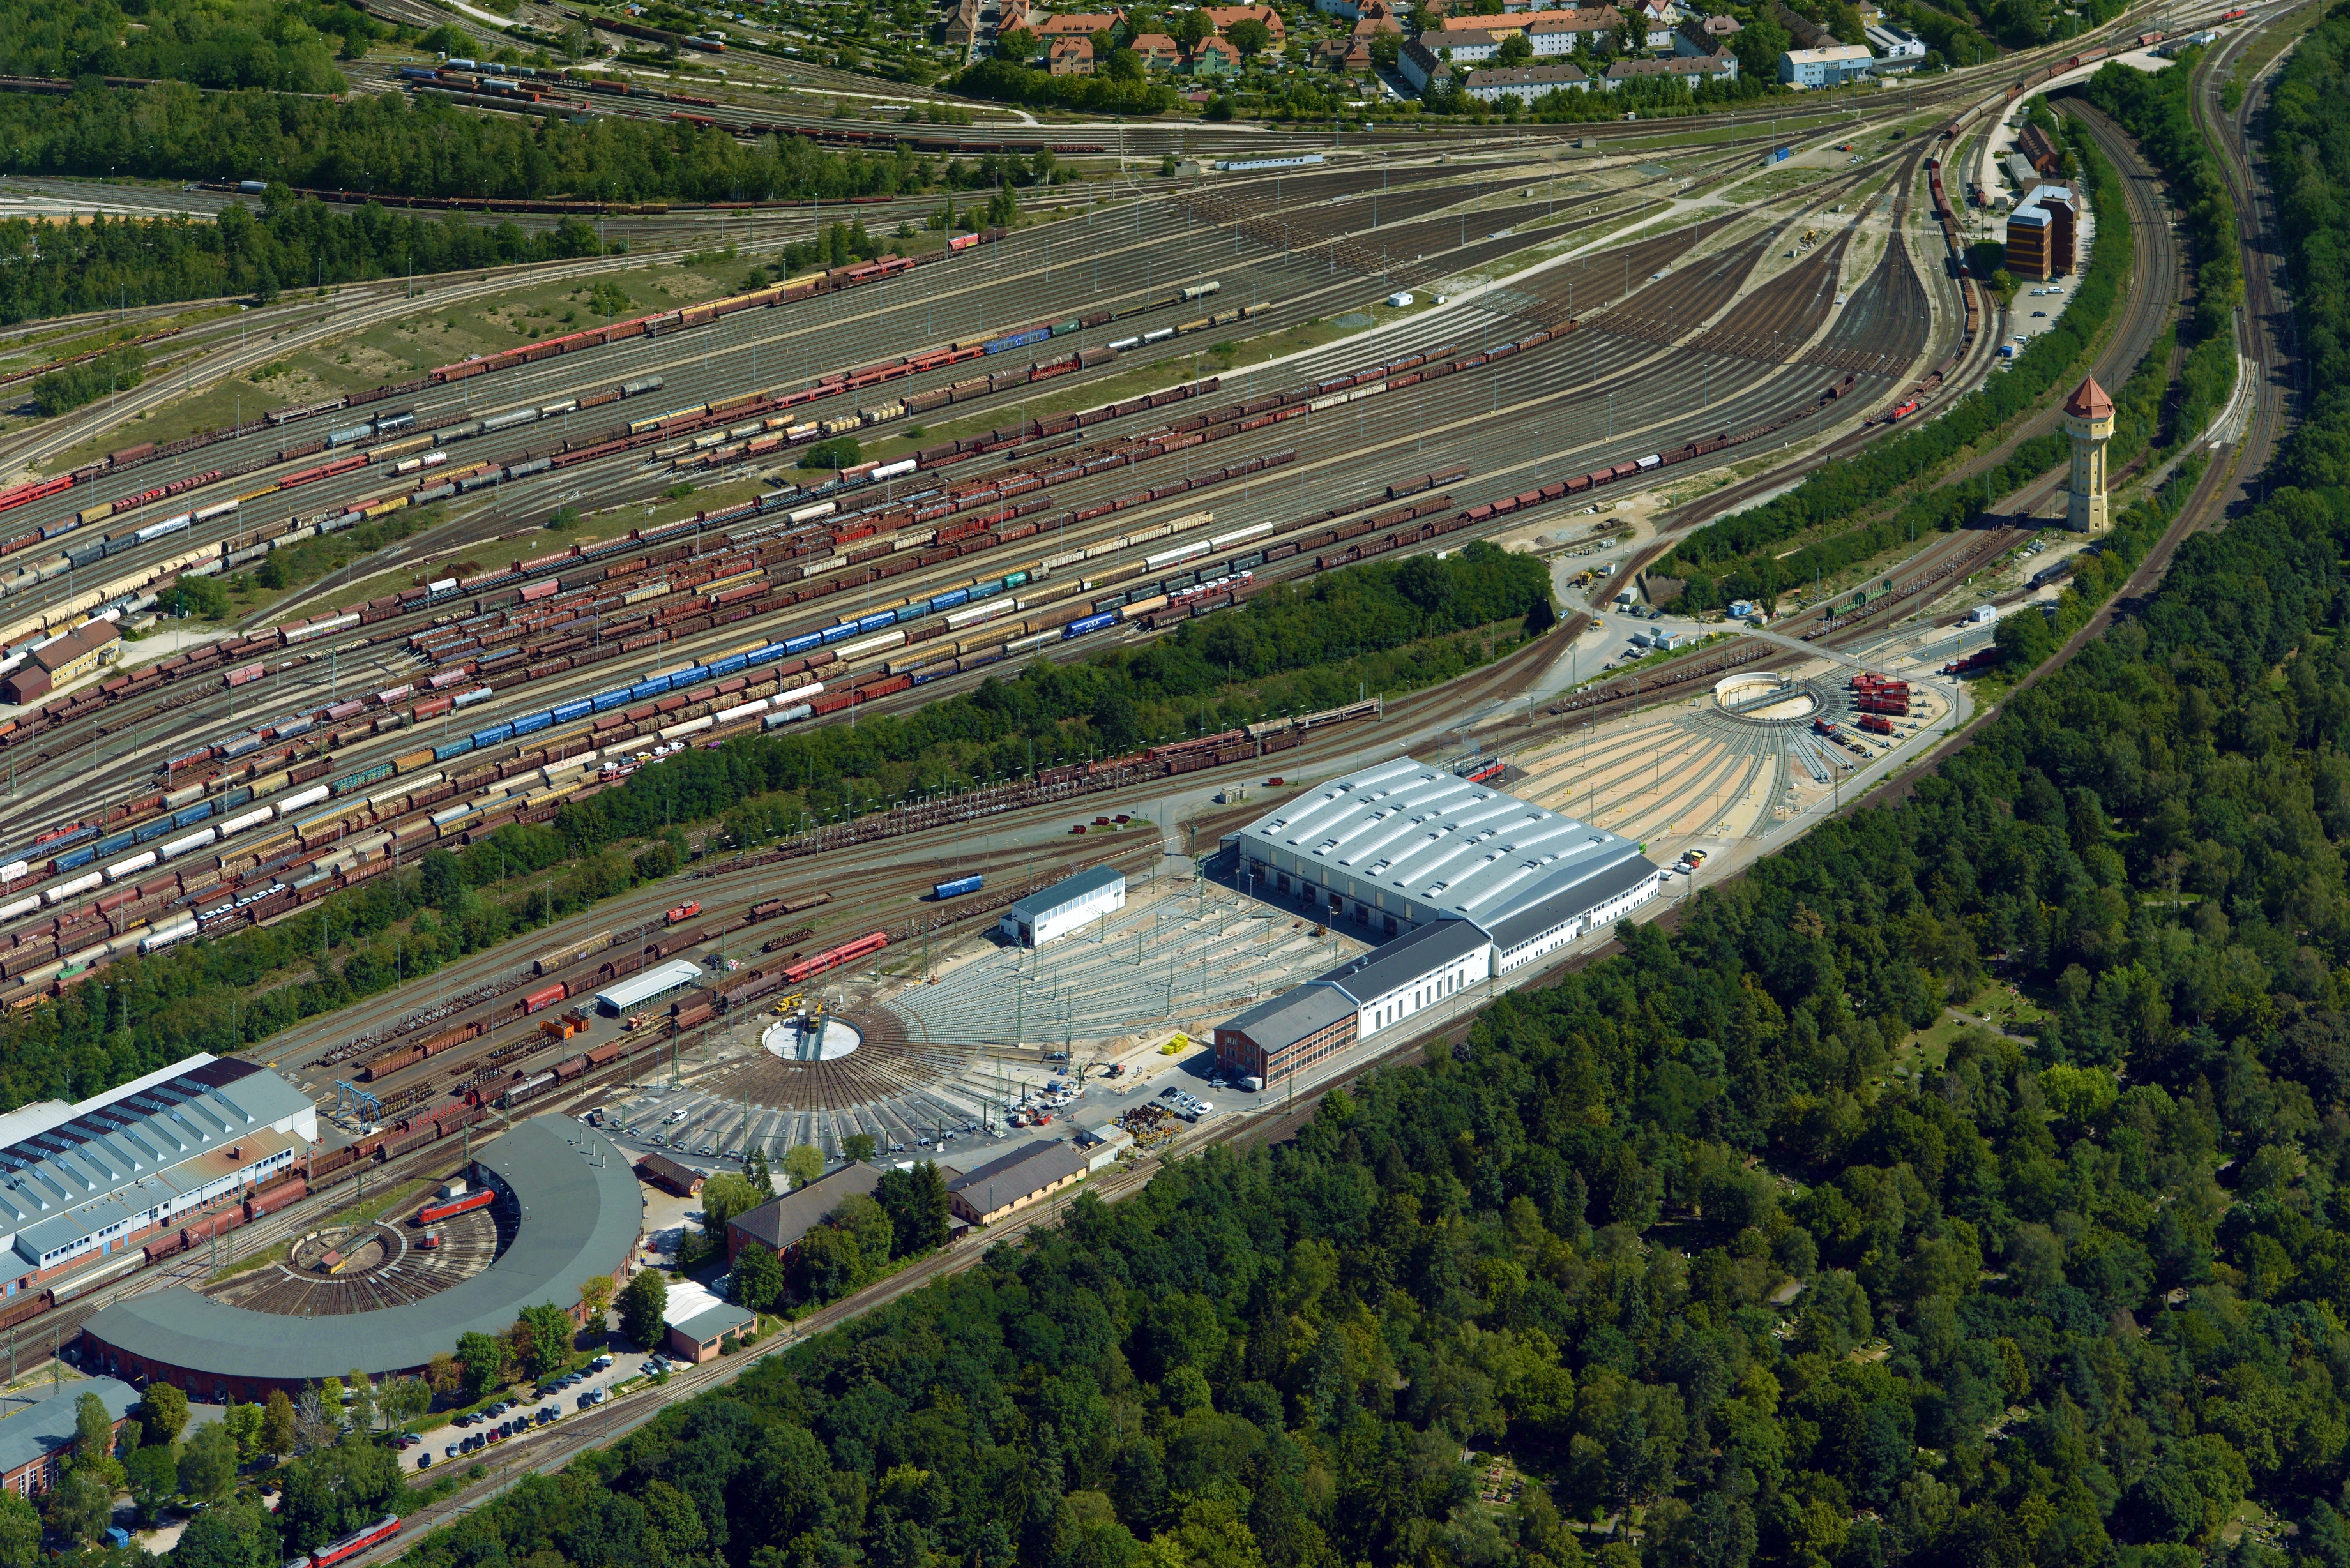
[2089, 420]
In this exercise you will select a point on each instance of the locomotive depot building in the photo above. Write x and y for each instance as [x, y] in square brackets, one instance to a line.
[1051, 913]
[1467, 881]
[567, 1207]
[83, 1182]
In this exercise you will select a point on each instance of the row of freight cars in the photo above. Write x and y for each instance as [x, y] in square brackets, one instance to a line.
[654, 326]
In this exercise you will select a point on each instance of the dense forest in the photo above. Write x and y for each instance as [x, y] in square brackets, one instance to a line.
[1384, 627]
[1709, 1239]
[398, 145]
[291, 47]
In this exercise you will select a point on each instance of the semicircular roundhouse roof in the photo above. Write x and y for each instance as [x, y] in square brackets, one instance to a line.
[580, 1216]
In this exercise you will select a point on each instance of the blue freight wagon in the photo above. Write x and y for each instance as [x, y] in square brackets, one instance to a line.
[958, 888]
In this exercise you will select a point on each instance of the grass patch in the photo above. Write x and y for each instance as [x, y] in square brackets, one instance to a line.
[275, 1254]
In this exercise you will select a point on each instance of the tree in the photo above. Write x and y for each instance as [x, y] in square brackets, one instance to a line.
[445, 1375]
[723, 1197]
[1016, 44]
[20, 1534]
[80, 1507]
[803, 1163]
[93, 1430]
[401, 1400]
[642, 1302]
[564, 517]
[163, 1414]
[549, 1332]
[318, 1424]
[483, 1357]
[763, 1181]
[596, 1296]
[916, 1203]
[1195, 29]
[839, 451]
[1250, 35]
[2023, 639]
[278, 1424]
[857, 1146]
[828, 1265]
[443, 879]
[1515, 51]
[758, 1278]
[242, 1423]
[207, 1468]
[237, 1536]
[154, 1474]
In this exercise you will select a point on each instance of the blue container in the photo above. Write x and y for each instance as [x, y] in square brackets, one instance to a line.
[452, 748]
[493, 734]
[194, 813]
[74, 859]
[839, 633]
[570, 710]
[1092, 623]
[118, 844]
[768, 654]
[877, 620]
[534, 722]
[729, 664]
[957, 889]
[949, 600]
[605, 701]
[802, 642]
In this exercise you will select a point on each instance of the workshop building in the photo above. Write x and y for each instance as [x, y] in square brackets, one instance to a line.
[1053, 912]
[670, 1176]
[62, 661]
[1029, 1174]
[1403, 843]
[699, 1322]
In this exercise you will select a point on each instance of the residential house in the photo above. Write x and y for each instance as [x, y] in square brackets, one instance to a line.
[1706, 38]
[1349, 9]
[1225, 18]
[1563, 32]
[1527, 83]
[963, 25]
[1467, 48]
[1654, 20]
[1011, 15]
[1157, 51]
[1421, 65]
[1823, 68]
[1898, 50]
[1079, 24]
[1215, 56]
[1693, 71]
[1073, 56]
[1807, 34]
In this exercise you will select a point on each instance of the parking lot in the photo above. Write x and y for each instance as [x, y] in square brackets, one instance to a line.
[512, 1419]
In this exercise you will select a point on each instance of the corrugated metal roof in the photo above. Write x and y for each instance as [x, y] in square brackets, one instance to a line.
[623, 994]
[580, 1217]
[1415, 832]
[1068, 890]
